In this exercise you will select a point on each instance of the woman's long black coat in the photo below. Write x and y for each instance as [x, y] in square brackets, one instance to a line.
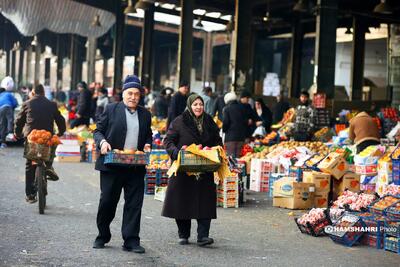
[187, 197]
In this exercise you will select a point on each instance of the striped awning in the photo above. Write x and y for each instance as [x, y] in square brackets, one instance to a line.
[60, 16]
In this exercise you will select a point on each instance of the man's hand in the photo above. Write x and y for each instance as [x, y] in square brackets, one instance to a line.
[105, 147]
[258, 123]
[77, 115]
[147, 148]
[250, 122]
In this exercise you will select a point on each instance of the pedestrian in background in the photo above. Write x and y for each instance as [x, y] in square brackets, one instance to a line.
[218, 107]
[264, 113]
[178, 102]
[123, 125]
[234, 126]
[102, 101]
[161, 105]
[83, 109]
[280, 108]
[191, 197]
[305, 119]
[208, 101]
[253, 121]
[7, 105]
[363, 131]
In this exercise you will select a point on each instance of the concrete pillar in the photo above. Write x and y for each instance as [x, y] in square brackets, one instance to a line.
[77, 46]
[185, 41]
[60, 60]
[207, 57]
[357, 61]
[119, 45]
[20, 66]
[325, 46]
[295, 59]
[91, 60]
[28, 64]
[13, 64]
[38, 53]
[105, 70]
[146, 50]
[8, 62]
[244, 48]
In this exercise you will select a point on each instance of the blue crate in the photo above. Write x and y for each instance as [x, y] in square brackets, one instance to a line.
[392, 228]
[392, 244]
[372, 241]
[348, 238]
[396, 171]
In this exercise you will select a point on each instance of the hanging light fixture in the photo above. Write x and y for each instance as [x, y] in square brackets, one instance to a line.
[383, 8]
[130, 9]
[34, 41]
[199, 23]
[266, 17]
[300, 6]
[96, 21]
[348, 31]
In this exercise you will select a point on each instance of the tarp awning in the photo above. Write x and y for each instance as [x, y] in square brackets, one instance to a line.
[60, 16]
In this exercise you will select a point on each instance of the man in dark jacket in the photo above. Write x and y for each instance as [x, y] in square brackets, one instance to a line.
[124, 126]
[178, 102]
[38, 113]
[305, 119]
[219, 107]
[280, 108]
[161, 105]
[234, 125]
[253, 120]
[84, 106]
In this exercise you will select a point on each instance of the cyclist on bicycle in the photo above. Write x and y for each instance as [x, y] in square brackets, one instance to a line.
[38, 113]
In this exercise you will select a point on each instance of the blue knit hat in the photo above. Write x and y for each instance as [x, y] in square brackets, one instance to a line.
[132, 81]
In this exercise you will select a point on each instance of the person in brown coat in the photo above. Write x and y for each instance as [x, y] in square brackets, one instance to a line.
[364, 131]
[38, 113]
[189, 197]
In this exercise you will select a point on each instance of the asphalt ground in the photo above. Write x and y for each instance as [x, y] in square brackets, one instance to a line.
[254, 235]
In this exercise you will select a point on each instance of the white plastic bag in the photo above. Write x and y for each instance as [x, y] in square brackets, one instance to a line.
[260, 130]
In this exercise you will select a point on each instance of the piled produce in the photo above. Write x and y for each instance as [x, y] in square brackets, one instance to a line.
[312, 216]
[392, 189]
[158, 124]
[43, 137]
[354, 201]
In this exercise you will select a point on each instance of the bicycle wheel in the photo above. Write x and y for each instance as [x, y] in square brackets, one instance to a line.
[41, 187]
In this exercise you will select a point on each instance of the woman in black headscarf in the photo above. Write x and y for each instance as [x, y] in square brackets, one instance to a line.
[191, 197]
[264, 113]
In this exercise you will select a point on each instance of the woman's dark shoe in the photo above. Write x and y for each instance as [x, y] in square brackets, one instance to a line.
[98, 243]
[205, 241]
[183, 241]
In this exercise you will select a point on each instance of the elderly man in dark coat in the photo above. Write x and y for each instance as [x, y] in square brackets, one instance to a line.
[191, 197]
[124, 125]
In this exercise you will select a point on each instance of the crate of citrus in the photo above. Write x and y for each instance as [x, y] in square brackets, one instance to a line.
[126, 158]
[41, 145]
[190, 162]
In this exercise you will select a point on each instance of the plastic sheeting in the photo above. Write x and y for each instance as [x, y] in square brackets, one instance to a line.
[60, 16]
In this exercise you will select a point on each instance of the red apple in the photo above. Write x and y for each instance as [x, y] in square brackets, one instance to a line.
[207, 148]
[184, 147]
[200, 146]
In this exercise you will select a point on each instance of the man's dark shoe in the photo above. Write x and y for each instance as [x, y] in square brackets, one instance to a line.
[31, 199]
[98, 243]
[51, 174]
[183, 241]
[136, 249]
[205, 241]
